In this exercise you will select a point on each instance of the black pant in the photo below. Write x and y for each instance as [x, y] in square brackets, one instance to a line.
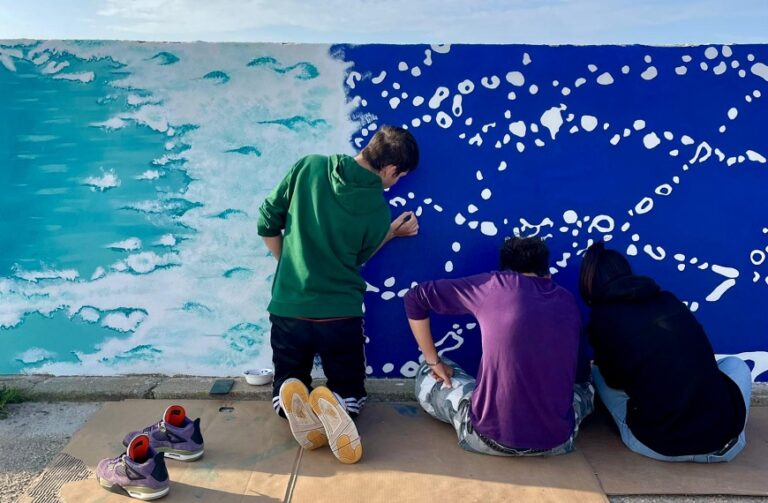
[340, 344]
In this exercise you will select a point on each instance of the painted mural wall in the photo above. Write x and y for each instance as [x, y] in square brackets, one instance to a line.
[132, 172]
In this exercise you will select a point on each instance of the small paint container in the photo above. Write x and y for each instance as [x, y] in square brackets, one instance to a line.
[258, 377]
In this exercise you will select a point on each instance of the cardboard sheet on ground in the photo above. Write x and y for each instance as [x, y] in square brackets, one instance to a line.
[250, 456]
[249, 453]
[623, 472]
[409, 456]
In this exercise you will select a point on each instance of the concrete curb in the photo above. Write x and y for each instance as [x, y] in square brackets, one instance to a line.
[112, 388]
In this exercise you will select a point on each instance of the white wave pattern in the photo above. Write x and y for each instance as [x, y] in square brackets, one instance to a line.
[129, 244]
[83, 77]
[35, 355]
[108, 180]
[192, 341]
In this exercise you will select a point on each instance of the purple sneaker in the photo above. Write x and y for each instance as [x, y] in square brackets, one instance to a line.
[140, 472]
[176, 435]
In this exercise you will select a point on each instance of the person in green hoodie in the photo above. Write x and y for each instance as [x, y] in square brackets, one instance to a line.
[322, 223]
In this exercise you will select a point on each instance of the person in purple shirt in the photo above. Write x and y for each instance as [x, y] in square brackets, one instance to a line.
[525, 401]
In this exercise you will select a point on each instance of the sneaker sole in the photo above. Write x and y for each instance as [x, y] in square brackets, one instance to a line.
[308, 436]
[181, 455]
[344, 440]
[141, 493]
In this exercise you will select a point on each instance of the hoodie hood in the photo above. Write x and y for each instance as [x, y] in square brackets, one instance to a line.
[357, 190]
[627, 289]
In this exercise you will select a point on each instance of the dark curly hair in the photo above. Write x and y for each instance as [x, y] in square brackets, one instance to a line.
[525, 255]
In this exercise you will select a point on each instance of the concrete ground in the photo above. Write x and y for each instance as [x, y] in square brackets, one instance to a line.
[35, 432]
[31, 435]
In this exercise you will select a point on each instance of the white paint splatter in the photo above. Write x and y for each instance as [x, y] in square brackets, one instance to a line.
[718, 292]
[488, 228]
[515, 78]
[466, 86]
[443, 120]
[570, 216]
[441, 93]
[380, 78]
[552, 119]
[755, 157]
[517, 128]
[605, 79]
[588, 122]
[490, 83]
[720, 69]
[651, 140]
[650, 73]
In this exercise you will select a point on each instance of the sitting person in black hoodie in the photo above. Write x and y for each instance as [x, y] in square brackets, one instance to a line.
[655, 370]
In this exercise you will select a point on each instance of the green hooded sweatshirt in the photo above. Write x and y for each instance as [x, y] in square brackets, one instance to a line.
[335, 217]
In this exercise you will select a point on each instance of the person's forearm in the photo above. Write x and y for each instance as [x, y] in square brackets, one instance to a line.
[423, 335]
[387, 239]
[274, 244]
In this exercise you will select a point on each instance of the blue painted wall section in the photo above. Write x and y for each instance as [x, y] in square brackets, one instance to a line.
[132, 174]
[660, 150]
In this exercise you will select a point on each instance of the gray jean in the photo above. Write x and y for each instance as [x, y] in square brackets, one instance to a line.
[451, 405]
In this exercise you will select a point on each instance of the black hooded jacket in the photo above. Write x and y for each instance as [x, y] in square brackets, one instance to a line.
[648, 343]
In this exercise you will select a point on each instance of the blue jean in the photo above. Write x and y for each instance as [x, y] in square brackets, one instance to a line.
[616, 402]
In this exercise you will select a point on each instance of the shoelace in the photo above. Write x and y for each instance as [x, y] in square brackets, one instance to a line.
[160, 425]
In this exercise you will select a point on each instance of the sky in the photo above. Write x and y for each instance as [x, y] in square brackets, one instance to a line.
[657, 22]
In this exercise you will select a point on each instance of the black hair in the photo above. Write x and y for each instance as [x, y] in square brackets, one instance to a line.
[599, 267]
[392, 145]
[525, 255]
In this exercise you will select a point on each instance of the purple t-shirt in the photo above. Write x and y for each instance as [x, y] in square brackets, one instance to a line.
[530, 335]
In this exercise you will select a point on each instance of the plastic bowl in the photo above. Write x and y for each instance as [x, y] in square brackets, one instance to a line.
[258, 377]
